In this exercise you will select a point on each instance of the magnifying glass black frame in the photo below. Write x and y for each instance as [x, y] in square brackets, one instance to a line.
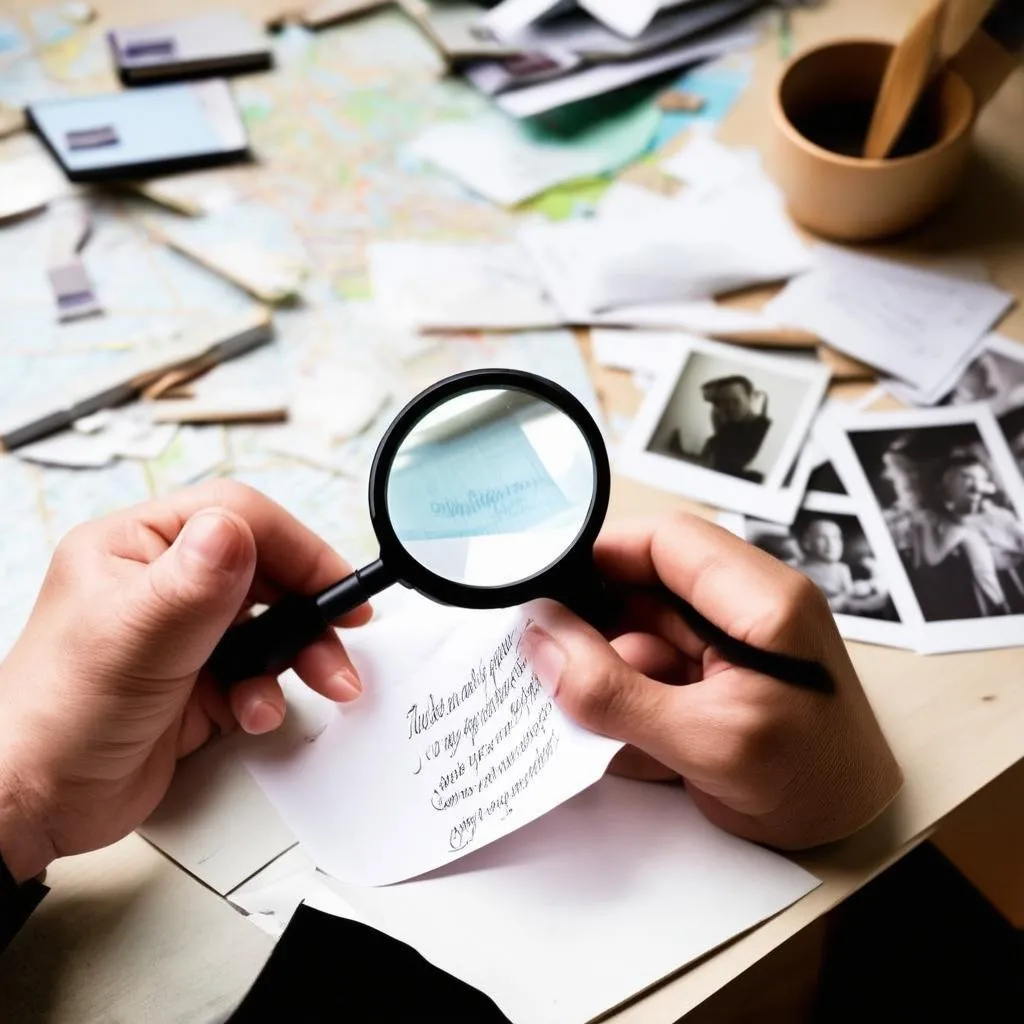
[403, 567]
[268, 642]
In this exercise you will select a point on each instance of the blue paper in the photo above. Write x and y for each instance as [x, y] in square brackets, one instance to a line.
[486, 481]
[719, 85]
[152, 125]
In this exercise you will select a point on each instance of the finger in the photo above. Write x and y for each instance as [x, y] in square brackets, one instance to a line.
[290, 556]
[324, 666]
[647, 610]
[633, 763]
[180, 605]
[258, 704]
[622, 552]
[744, 591]
[590, 682]
[656, 658]
[207, 714]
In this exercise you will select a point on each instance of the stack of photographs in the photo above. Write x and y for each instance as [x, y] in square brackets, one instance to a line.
[910, 521]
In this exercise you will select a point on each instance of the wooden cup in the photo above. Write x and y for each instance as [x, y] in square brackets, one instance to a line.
[823, 92]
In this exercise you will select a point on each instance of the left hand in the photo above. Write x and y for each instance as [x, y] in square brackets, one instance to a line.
[105, 690]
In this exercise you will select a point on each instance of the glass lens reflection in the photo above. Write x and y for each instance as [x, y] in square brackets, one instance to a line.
[491, 487]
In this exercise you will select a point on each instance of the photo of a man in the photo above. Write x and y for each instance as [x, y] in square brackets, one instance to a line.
[719, 417]
[739, 421]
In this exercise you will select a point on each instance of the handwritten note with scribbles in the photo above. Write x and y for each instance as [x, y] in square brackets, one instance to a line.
[453, 745]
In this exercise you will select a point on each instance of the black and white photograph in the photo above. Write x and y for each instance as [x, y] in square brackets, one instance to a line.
[830, 547]
[996, 377]
[726, 425]
[944, 488]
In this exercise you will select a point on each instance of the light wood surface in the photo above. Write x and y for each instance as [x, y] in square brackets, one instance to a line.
[125, 936]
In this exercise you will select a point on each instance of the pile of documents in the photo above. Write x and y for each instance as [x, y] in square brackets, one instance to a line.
[534, 56]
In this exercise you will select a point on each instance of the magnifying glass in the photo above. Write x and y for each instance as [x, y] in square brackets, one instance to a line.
[487, 491]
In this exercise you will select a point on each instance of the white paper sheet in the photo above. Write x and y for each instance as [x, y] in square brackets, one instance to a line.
[705, 165]
[453, 287]
[508, 163]
[596, 41]
[28, 183]
[452, 745]
[915, 324]
[699, 248]
[603, 78]
[627, 867]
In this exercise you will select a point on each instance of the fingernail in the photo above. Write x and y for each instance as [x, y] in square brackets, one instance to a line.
[213, 539]
[344, 685]
[262, 717]
[546, 657]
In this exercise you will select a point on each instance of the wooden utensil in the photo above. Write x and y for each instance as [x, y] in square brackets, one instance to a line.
[906, 76]
[939, 33]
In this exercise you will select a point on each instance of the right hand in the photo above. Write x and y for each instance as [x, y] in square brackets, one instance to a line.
[761, 758]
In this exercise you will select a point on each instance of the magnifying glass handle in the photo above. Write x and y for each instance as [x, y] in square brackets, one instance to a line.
[808, 675]
[599, 602]
[268, 643]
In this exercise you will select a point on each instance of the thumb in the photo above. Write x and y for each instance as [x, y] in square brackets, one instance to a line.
[589, 681]
[191, 594]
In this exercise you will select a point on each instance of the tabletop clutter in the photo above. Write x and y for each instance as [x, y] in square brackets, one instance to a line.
[244, 276]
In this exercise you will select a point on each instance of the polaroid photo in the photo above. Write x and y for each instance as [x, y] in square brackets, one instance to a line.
[828, 543]
[725, 425]
[941, 499]
[996, 377]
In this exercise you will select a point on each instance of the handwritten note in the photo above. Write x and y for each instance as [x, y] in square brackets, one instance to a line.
[485, 481]
[916, 324]
[453, 745]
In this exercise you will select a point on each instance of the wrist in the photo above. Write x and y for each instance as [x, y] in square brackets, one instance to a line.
[24, 846]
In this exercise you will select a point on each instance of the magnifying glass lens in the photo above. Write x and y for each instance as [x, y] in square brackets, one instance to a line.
[490, 487]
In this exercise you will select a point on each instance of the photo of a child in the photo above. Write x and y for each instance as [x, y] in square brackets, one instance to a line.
[831, 550]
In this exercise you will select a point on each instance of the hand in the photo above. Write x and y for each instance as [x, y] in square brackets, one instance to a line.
[105, 689]
[762, 759]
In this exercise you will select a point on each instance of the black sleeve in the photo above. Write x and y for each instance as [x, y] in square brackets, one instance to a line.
[17, 902]
[330, 969]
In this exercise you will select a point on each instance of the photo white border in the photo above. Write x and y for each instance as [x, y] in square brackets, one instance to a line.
[768, 500]
[1000, 344]
[949, 634]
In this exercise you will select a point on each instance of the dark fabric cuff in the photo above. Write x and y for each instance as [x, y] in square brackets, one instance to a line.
[17, 906]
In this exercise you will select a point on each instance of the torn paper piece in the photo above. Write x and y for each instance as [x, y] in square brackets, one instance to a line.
[271, 276]
[28, 183]
[69, 448]
[459, 287]
[733, 239]
[606, 77]
[915, 324]
[465, 746]
[69, 279]
[705, 165]
[193, 193]
[509, 162]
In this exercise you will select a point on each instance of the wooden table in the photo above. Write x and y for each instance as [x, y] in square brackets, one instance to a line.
[127, 936]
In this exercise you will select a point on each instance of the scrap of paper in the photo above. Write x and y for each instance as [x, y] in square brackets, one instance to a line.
[456, 287]
[452, 745]
[705, 165]
[509, 162]
[918, 325]
[69, 279]
[603, 78]
[28, 183]
[694, 248]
